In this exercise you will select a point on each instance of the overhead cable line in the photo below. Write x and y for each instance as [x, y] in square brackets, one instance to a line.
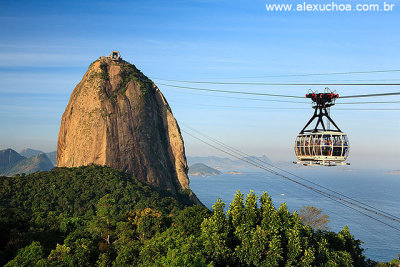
[310, 74]
[334, 198]
[371, 95]
[285, 108]
[228, 92]
[370, 102]
[266, 94]
[249, 98]
[284, 84]
[289, 101]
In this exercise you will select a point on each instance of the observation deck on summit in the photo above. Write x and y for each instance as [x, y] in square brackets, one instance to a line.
[115, 56]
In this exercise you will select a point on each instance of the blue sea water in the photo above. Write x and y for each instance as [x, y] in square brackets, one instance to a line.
[382, 191]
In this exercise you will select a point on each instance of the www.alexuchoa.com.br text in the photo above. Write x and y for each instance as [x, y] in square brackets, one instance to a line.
[331, 7]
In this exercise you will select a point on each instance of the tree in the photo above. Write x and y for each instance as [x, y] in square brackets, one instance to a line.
[148, 222]
[313, 217]
[215, 234]
[103, 223]
[189, 220]
[27, 256]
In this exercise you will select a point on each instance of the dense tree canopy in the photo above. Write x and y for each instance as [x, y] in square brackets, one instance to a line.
[97, 216]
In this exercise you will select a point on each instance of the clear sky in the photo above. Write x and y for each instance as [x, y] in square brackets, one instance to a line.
[46, 47]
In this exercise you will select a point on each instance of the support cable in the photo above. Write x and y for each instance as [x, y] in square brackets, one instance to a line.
[273, 95]
[308, 74]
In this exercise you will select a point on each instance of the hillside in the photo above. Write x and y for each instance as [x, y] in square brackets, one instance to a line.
[30, 165]
[51, 205]
[52, 157]
[13, 163]
[29, 152]
[98, 216]
[200, 169]
[8, 158]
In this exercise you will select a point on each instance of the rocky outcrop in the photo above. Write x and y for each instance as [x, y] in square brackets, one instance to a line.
[116, 116]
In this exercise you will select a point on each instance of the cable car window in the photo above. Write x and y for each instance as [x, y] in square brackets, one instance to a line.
[345, 151]
[345, 140]
[337, 140]
[337, 151]
[327, 139]
[307, 145]
[318, 145]
[328, 151]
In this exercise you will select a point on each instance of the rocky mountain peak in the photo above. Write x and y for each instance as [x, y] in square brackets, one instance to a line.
[116, 116]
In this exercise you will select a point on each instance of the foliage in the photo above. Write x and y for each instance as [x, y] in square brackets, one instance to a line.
[67, 204]
[104, 72]
[131, 73]
[27, 256]
[313, 217]
[95, 215]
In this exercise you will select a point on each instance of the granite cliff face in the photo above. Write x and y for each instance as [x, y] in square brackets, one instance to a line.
[117, 117]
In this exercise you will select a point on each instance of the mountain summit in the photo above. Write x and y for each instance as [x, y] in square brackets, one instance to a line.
[116, 116]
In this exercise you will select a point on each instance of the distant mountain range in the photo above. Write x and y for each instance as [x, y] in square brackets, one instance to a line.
[226, 163]
[200, 169]
[396, 172]
[28, 161]
[29, 152]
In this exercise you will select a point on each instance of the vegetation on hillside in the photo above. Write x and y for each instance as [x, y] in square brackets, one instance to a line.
[97, 216]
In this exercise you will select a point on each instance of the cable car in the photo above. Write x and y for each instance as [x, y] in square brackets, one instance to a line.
[322, 145]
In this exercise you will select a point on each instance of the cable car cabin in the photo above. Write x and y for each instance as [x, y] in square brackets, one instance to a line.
[323, 148]
[320, 145]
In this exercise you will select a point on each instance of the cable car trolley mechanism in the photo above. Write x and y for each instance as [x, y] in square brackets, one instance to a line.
[321, 145]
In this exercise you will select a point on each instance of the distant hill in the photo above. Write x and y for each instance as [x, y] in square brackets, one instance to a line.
[52, 157]
[13, 163]
[226, 163]
[29, 152]
[30, 165]
[8, 158]
[200, 169]
[396, 172]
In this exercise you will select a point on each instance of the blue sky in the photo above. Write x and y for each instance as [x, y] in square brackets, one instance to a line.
[46, 47]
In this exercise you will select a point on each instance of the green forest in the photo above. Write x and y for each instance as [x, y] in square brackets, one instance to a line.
[98, 216]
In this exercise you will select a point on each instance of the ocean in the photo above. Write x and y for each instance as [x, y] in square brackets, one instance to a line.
[375, 188]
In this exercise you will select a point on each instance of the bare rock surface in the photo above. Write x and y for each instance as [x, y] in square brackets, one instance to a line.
[117, 117]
